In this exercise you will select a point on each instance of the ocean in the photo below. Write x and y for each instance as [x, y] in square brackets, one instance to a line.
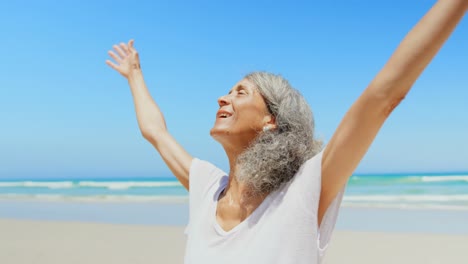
[431, 203]
[439, 191]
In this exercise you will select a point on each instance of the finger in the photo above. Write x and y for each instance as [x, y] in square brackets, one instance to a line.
[114, 56]
[124, 47]
[119, 51]
[130, 43]
[112, 65]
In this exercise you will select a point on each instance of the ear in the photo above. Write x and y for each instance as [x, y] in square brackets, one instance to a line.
[270, 121]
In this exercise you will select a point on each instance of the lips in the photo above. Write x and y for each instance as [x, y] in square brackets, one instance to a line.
[223, 114]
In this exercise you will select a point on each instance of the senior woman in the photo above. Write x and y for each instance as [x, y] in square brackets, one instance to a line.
[280, 200]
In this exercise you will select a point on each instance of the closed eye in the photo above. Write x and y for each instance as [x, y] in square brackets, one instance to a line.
[241, 90]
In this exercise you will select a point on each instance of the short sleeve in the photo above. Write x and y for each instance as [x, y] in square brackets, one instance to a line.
[329, 220]
[307, 184]
[202, 176]
[309, 181]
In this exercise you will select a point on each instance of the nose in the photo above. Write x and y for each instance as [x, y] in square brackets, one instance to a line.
[223, 100]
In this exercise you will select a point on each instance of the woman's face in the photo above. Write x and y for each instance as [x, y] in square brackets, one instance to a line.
[241, 116]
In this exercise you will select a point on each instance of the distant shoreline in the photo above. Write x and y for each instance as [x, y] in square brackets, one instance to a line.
[173, 178]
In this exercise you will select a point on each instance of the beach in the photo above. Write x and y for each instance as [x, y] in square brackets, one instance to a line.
[54, 242]
[49, 242]
[383, 219]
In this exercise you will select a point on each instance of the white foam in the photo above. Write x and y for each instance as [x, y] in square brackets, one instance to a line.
[463, 178]
[97, 198]
[9, 184]
[113, 185]
[406, 206]
[407, 198]
[122, 185]
[41, 184]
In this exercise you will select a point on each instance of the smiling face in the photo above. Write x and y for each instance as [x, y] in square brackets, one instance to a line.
[241, 116]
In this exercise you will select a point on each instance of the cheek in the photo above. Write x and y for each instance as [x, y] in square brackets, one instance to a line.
[251, 115]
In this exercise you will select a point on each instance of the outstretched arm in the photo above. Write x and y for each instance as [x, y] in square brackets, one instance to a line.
[150, 119]
[361, 123]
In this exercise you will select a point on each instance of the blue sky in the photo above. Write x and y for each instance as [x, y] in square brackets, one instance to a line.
[65, 113]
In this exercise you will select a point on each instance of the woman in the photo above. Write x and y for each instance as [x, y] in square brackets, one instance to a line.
[280, 199]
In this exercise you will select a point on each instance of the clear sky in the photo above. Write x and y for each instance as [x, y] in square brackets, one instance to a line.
[65, 113]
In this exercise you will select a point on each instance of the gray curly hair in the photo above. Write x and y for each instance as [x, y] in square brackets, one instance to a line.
[275, 156]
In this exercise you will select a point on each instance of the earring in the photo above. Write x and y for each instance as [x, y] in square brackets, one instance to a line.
[266, 128]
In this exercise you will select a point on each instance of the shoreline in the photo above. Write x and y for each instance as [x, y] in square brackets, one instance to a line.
[54, 242]
[367, 219]
[185, 199]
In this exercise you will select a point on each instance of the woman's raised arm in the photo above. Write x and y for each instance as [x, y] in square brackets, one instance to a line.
[150, 119]
[361, 123]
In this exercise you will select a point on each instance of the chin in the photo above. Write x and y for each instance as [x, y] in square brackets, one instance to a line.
[218, 133]
[225, 136]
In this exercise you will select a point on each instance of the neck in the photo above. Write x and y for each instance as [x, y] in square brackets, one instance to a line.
[236, 202]
[238, 199]
[235, 191]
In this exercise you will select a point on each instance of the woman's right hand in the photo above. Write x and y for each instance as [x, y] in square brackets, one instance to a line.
[126, 59]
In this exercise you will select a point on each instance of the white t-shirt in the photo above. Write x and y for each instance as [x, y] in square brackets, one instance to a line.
[283, 228]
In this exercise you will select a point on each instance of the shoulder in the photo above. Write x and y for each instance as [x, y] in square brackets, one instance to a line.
[312, 165]
[202, 166]
[307, 181]
[202, 173]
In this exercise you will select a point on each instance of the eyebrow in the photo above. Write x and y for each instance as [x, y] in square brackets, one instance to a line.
[238, 87]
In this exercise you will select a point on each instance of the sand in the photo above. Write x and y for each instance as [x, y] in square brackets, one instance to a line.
[47, 242]
[386, 248]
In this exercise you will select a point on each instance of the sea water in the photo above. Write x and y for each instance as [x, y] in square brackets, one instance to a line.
[434, 203]
[442, 191]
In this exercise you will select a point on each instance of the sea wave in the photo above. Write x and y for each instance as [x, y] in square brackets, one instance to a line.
[407, 198]
[456, 178]
[349, 201]
[407, 206]
[112, 185]
[121, 185]
[97, 198]
[409, 179]
[41, 184]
